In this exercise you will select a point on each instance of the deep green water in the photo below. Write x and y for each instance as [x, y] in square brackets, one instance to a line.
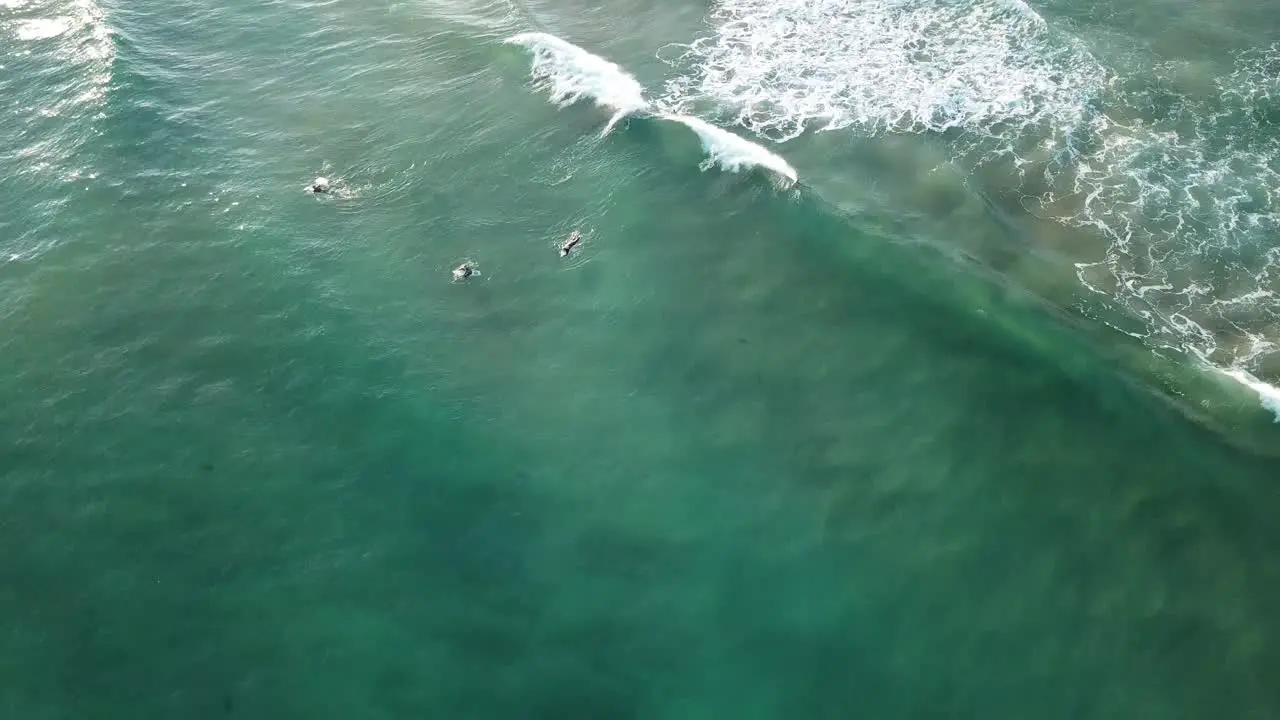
[750, 453]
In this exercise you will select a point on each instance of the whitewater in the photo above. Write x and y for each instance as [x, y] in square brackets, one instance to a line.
[570, 74]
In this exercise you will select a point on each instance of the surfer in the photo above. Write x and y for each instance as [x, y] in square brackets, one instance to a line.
[464, 271]
[319, 186]
[570, 243]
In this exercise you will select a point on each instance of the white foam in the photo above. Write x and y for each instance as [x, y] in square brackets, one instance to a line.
[786, 66]
[1190, 201]
[570, 74]
[731, 152]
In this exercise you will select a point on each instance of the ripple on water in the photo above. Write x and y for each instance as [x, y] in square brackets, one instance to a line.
[61, 70]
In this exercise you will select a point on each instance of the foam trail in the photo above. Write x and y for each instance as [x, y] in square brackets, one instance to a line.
[570, 73]
[732, 152]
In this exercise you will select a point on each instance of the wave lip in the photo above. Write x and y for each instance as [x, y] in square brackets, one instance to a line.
[731, 152]
[570, 74]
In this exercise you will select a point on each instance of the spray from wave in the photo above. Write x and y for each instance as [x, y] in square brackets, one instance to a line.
[570, 73]
[733, 153]
[1183, 189]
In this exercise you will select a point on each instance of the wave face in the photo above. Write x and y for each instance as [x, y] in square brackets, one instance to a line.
[1181, 183]
[733, 153]
[570, 74]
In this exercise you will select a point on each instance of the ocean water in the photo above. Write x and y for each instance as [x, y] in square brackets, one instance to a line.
[916, 362]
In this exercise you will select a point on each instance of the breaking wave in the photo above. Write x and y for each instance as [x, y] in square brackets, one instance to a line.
[733, 153]
[570, 74]
[1182, 186]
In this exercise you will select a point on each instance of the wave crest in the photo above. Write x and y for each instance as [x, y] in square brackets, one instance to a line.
[733, 153]
[569, 74]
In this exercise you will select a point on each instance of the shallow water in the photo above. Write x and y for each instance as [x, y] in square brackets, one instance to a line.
[756, 450]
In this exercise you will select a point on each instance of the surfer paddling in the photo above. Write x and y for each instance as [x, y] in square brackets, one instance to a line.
[570, 243]
[464, 271]
[319, 186]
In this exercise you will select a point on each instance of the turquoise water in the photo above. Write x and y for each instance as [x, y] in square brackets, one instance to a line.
[861, 445]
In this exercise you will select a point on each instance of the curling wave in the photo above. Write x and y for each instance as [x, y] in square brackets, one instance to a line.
[569, 74]
[733, 153]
